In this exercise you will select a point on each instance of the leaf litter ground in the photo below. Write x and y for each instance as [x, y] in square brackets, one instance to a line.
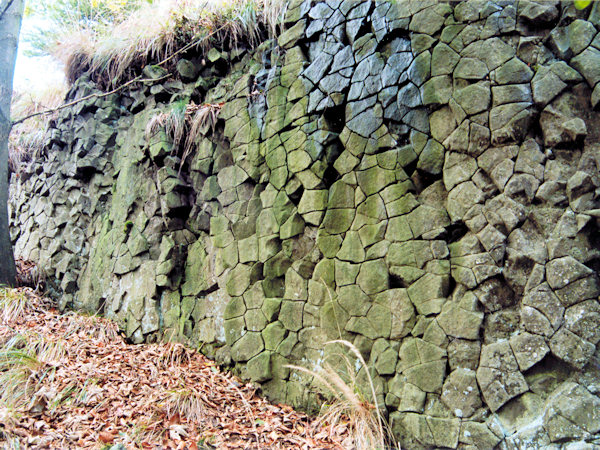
[97, 391]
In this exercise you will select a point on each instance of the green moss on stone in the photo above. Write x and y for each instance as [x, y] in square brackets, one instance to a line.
[259, 367]
[234, 329]
[373, 276]
[255, 320]
[352, 248]
[273, 335]
[235, 308]
[248, 346]
[333, 320]
[196, 270]
[329, 244]
[345, 272]
[290, 314]
[270, 308]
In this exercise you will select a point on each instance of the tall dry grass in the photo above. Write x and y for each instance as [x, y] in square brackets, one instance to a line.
[27, 138]
[184, 120]
[159, 29]
[25, 360]
[350, 405]
[12, 304]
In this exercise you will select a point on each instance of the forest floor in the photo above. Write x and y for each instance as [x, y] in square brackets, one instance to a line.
[71, 381]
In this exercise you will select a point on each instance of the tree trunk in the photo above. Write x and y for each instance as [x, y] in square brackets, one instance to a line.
[11, 13]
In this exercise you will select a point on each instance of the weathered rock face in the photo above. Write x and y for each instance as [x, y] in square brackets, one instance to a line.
[418, 178]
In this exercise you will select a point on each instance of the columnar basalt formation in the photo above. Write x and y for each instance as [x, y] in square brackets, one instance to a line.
[418, 178]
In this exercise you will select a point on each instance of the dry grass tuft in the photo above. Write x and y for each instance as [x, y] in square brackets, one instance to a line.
[174, 354]
[182, 119]
[12, 304]
[158, 29]
[201, 118]
[25, 361]
[184, 402]
[50, 352]
[350, 407]
[172, 122]
[27, 139]
[91, 326]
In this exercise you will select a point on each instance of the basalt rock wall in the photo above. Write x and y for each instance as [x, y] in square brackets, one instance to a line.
[418, 178]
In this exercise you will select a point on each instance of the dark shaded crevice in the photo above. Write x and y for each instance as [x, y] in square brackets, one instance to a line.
[547, 374]
[218, 134]
[455, 232]
[535, 129]
[84, 174]
[451, 285]
[398, 33]
[395, 282]
[335, 118]
[137, 109]
[163, 97]
[296, 195]
[210, 290]
[197, 97]
[410, 168]
[422, 179]
[366, 26]
[592, 232]
[101, 306]
[403, 137]
[330, 176]
[333, 149]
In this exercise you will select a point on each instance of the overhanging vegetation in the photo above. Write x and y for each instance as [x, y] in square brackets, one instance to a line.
[159, 29]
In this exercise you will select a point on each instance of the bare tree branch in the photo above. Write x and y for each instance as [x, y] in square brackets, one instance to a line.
[10, 2]
[119, 88]
[88, 97]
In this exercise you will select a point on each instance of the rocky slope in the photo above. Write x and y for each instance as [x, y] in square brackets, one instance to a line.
[418, 178]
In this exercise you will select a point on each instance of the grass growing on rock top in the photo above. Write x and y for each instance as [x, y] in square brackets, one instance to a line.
[160, 28]
[114, 51]
[183, 123]
[27, 138]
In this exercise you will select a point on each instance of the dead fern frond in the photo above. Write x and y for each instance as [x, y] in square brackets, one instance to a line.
[155, 124]
[200, 119]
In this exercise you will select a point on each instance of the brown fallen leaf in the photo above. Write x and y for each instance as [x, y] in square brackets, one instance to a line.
[106, 436]
[107, 391]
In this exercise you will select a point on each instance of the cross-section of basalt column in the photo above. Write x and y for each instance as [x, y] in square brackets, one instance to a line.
[509, 112]
[438, 230]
